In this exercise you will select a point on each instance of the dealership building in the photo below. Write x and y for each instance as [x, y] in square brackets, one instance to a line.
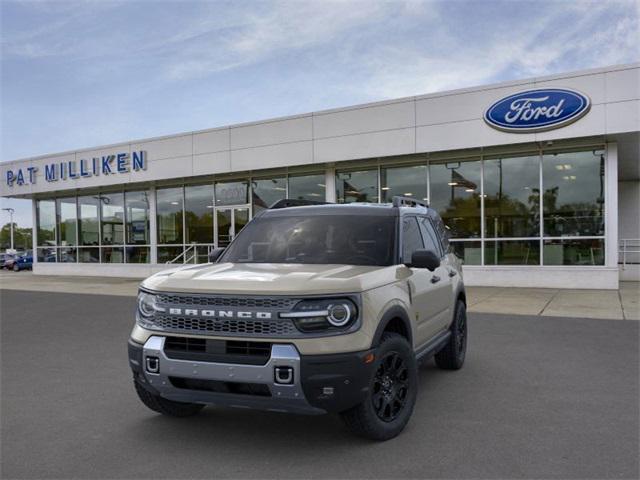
[536, 179]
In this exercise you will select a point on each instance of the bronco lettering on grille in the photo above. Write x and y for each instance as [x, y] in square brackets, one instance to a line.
[193, 312]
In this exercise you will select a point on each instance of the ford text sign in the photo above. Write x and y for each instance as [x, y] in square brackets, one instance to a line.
[537, 110]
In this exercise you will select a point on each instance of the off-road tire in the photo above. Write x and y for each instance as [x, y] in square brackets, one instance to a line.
[452, 356]
[364, 419]
[164, 406]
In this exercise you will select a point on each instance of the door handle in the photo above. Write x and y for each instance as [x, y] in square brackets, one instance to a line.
[435, 279]
[452, 273]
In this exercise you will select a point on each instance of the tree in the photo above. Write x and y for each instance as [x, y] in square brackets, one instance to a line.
[21, 237]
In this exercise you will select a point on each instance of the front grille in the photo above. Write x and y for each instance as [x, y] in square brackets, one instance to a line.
[245, 302]
[254, 349]
[185, 344]
[231, 327]
[219, 386]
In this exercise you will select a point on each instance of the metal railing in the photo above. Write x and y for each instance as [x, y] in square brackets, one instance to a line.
[629, 251]
[190, 250]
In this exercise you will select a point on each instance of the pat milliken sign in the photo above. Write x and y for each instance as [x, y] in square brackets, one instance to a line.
[537, 110]
[105, 165]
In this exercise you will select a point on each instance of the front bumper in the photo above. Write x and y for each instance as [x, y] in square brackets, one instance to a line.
[318, 384]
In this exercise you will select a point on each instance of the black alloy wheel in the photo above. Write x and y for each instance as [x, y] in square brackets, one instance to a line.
[390, 387]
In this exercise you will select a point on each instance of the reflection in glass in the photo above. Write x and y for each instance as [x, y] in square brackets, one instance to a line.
[67, 254]
[267, 191]
[407, 181]
[166, 254]
[469, 252]
[46, 217]
[88, 220]
[232, 193]
[112, 218]
[574, 252]
[223, 217]
[89, 255]
[512, 197]
[47, 254]
[169, 207]
[67, 222]
[361, 186]
[112, 255]
[198, 213]
[137, 218]
[307, 187]
[512, 252]
[455, 195]
[137, 254]
[573, 198]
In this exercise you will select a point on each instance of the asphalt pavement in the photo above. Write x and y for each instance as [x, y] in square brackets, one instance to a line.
[539, 397]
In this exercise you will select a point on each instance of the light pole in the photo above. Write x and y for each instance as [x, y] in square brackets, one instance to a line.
[11, 212]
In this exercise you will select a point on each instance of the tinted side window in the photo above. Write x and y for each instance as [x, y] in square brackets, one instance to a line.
[411, 238]
[430, 237]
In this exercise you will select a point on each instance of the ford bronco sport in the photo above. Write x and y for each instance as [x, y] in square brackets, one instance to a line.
[313, 308]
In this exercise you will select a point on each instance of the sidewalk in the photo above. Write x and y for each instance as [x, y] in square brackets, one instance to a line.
[623, 304]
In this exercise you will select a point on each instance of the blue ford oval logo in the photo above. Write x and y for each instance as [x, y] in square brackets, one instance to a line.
[537, 110]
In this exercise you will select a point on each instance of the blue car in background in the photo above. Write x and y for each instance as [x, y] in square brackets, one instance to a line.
[23, 262]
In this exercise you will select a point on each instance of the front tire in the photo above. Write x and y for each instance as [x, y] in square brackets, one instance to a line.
[16, 268]
[452, 356]
[164, 406]
[392, 392]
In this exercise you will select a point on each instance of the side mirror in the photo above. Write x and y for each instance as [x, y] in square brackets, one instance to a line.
[215, 254]
[424, 259]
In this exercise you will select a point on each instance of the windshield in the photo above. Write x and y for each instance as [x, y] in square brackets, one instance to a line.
[318, 239]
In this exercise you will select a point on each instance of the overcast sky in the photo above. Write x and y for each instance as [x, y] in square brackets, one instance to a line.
[81, 74]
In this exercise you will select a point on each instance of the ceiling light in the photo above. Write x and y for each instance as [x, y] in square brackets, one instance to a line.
[175, 203]
[572, 177]
[469, 190]
[567, 166]
[408, 194]
[385, 188]
[321, 185]
[566, 177]
[559, 167]
[452, 184]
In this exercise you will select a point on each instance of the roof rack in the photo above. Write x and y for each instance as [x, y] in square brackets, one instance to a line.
[400, 201]
[292, 202]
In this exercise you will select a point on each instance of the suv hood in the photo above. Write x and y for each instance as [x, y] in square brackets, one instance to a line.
[271, 278]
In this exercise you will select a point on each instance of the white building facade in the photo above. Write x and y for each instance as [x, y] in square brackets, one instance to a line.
[537, 181]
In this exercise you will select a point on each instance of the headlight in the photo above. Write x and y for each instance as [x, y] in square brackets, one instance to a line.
[322, 315]
[147, 308]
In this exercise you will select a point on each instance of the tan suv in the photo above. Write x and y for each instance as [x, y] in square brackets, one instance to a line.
[313, 308]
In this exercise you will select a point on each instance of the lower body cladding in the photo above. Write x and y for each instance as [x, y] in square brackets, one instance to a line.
[283, 381]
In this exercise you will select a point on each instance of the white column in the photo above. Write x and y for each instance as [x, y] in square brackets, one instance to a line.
[330, 183]
[153, 233]
[611, 205]
[34, 230]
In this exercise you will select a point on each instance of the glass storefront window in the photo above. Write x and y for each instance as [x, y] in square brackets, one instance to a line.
[137, 254]
[166, 254]
[46, 217]
[573, 198]
[67, 254]
[112, 218]
[573, 252]
[267, 191]
[47, 254]
[360, 186]
[512, 252]
[407, 181]
[232, 193]
[112, 255]
[307, 187]
[89, 255]
[455, 195]
[67, 220]
[512, 197]
[88, 226]
[469, 252]
[137, 218]
[169, 207]
[198, 213]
